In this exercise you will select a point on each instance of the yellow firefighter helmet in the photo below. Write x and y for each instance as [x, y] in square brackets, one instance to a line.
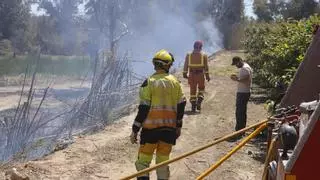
[163, 57]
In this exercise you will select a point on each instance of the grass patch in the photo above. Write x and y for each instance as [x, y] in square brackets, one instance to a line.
[56, 65]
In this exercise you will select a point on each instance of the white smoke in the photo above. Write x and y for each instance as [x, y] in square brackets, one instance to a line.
[173, 31]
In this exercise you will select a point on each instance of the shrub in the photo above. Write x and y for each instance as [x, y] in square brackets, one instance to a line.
[276, 49]
[5, 47]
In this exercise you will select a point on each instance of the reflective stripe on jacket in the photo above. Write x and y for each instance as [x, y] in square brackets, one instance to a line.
[194, 65]
[196, 62]
[162, 93]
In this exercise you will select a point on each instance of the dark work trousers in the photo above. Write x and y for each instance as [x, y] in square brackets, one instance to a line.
[241, 110]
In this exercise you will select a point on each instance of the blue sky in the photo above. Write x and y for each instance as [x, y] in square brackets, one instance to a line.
[248, 8]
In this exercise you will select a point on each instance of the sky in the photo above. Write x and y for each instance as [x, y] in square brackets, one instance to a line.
[248, 8]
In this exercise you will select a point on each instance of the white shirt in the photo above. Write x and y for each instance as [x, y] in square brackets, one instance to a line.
[245, 70]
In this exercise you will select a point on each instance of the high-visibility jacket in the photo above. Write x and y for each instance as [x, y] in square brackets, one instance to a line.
[196, 61]
[162, 104]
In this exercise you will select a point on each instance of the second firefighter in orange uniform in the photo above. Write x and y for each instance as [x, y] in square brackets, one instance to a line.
[196, 70]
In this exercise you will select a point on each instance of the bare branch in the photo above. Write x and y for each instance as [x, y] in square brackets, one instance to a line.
[125, 32]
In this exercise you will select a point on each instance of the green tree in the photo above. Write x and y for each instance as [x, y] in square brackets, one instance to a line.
[227, 14]
[298, 9]
[269, 10]
[110, 18]
[14, 23]
[47, 36]
[65, 21]
[262, 10]
[14, 15]
[277, 48]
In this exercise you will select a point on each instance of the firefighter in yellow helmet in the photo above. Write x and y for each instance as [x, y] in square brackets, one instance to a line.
[159, 117]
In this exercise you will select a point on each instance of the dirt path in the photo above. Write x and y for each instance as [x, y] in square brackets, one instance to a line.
[109, 155]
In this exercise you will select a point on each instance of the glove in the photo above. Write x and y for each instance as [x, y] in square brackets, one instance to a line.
[185, 75]
[178, 132]
[133, 138]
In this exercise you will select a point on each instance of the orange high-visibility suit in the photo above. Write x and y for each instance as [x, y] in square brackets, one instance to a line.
[196, 64]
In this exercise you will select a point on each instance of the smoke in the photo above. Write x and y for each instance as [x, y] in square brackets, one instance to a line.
[154, 25]
[174, 29]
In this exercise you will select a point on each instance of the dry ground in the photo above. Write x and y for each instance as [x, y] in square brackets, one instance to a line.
[110, 155]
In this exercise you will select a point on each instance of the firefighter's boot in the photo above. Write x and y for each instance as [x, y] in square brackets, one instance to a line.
[143, 178]
[200, 99]
[193, 106]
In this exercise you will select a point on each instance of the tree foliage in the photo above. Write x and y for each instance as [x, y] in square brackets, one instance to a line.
[298, 9]
[14, 15]
[14, 22]
[109, 18]
[227, 14]
[63, 30]
[270, 10]
[276, 49]
[57, 32]
[64, 34]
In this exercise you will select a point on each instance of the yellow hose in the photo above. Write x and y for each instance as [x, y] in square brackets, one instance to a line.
[266, 163]
[235, 149]
[147, 170]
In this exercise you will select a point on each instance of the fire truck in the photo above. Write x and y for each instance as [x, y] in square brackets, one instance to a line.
[294, 143]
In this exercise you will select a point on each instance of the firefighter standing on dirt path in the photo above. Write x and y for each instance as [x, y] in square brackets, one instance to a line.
[196, 63]
[160, 114]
